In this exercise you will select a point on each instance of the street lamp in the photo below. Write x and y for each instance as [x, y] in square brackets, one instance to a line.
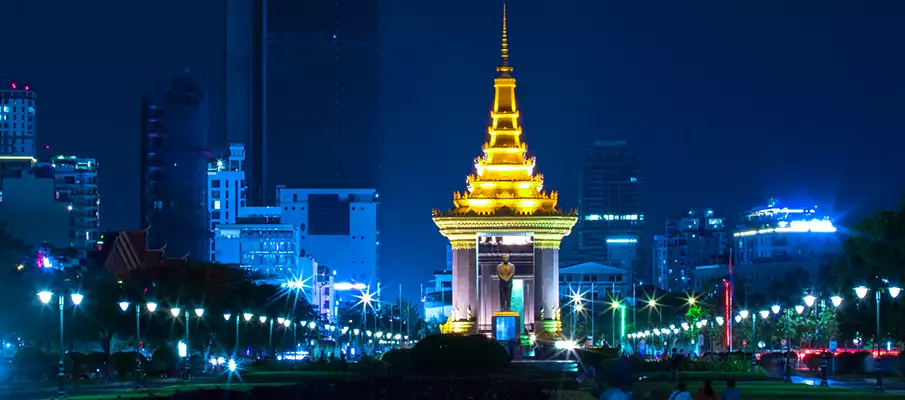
[809, 300]
[248, 316]
[152, 306]
[45, 297]
[776, 309]
[799, 308]
[175, 311]
[836, 300]
[894, 291]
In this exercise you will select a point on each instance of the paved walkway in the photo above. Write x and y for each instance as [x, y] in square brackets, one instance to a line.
[855, 384]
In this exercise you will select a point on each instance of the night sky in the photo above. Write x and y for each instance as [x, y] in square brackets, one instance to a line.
[726, 103]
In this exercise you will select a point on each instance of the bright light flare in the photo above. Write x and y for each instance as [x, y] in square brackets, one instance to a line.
[175, 311]
[76, 298]
[799, 308]
[124, 305]
[765, 314]
[836, 300]
[809, 300]
[894, 291]
[226, 316]
[776, 309]
[248, 316]
[45, 296]
[743, 314]
[861, 291]
[199, 312]
[152, 306]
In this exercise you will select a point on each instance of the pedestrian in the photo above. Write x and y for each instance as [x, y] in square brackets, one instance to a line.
[674, 361]
[706, 392]
[731, 393]
[681, 393]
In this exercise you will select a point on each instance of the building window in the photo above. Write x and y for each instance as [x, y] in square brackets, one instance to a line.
[215, 183]
[158, 204]
[216, 204]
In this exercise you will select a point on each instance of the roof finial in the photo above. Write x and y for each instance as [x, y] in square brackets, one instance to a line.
[504, 69]
[505, 49]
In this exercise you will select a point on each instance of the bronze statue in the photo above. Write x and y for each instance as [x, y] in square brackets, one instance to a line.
[505, 271]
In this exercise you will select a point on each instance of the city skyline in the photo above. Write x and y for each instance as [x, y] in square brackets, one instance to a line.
[787, 117]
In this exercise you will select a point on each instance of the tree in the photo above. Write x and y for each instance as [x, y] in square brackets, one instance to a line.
[872, 256]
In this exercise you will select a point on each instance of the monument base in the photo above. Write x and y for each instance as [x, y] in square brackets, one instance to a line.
[458, 327]
[506, 326]
[551, 326]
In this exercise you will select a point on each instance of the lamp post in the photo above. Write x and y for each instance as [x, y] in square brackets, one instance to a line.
[894, 291]
[124, 305]
[45, 297]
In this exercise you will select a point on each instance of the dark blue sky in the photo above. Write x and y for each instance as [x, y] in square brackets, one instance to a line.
[727, 102]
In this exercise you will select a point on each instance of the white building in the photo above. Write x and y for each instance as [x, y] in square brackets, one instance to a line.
[75, 183]
[437, 298]
[17, 119]
[269, 250]
[338, 228]
[225, 190]
[595, 282]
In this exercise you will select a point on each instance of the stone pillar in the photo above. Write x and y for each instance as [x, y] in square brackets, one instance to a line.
[464, 281]
[546, 279]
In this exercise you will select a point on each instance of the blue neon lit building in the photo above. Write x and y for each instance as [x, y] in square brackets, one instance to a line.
[774, 232]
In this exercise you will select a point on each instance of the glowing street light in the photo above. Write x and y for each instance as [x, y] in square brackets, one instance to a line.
[280, 320]
[76, 298]
[894, 291]
[262, 318]
[45, 296]
[743, 314]
[776, 309]
[247, 316]
[764, 314]
[124, 305]
[199, 312]
[286, 323]
[799, 308]
[861, 291]
[720, 320]
[809, 300]
[152, 306]
[836, 300]
[226, 316]
[175, 311]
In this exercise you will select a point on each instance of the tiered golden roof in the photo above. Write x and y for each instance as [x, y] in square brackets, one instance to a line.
[504, 182]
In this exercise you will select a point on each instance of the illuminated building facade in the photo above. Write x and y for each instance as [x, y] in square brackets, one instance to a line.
[173, 167]
[269, 250]
[772, 232]
[17, 119]
[504, 210]
[611, 216]
[438, 297]
[689, 240]
[75, 185]
[226, 189]
[338, 228]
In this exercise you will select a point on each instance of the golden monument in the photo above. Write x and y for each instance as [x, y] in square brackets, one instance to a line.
[505, 195]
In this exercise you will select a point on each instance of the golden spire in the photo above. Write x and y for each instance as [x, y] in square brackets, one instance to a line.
[504, 174]
[504, 67]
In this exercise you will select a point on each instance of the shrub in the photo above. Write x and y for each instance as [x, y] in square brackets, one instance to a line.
[165, 357]
[458, 355]
[124, 363]
[399, 361]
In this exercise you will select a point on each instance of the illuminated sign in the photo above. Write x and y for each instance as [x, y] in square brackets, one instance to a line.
[814, 225]
[344, 286]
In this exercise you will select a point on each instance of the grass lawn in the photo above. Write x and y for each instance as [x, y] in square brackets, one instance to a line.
[762, 391]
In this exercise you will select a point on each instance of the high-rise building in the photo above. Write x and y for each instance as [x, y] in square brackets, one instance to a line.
[17, 119]
[174, 156]
[611, 216]
[309, 84]
[75, 184]
[225, 189]
[246, 37]
[696, 238]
